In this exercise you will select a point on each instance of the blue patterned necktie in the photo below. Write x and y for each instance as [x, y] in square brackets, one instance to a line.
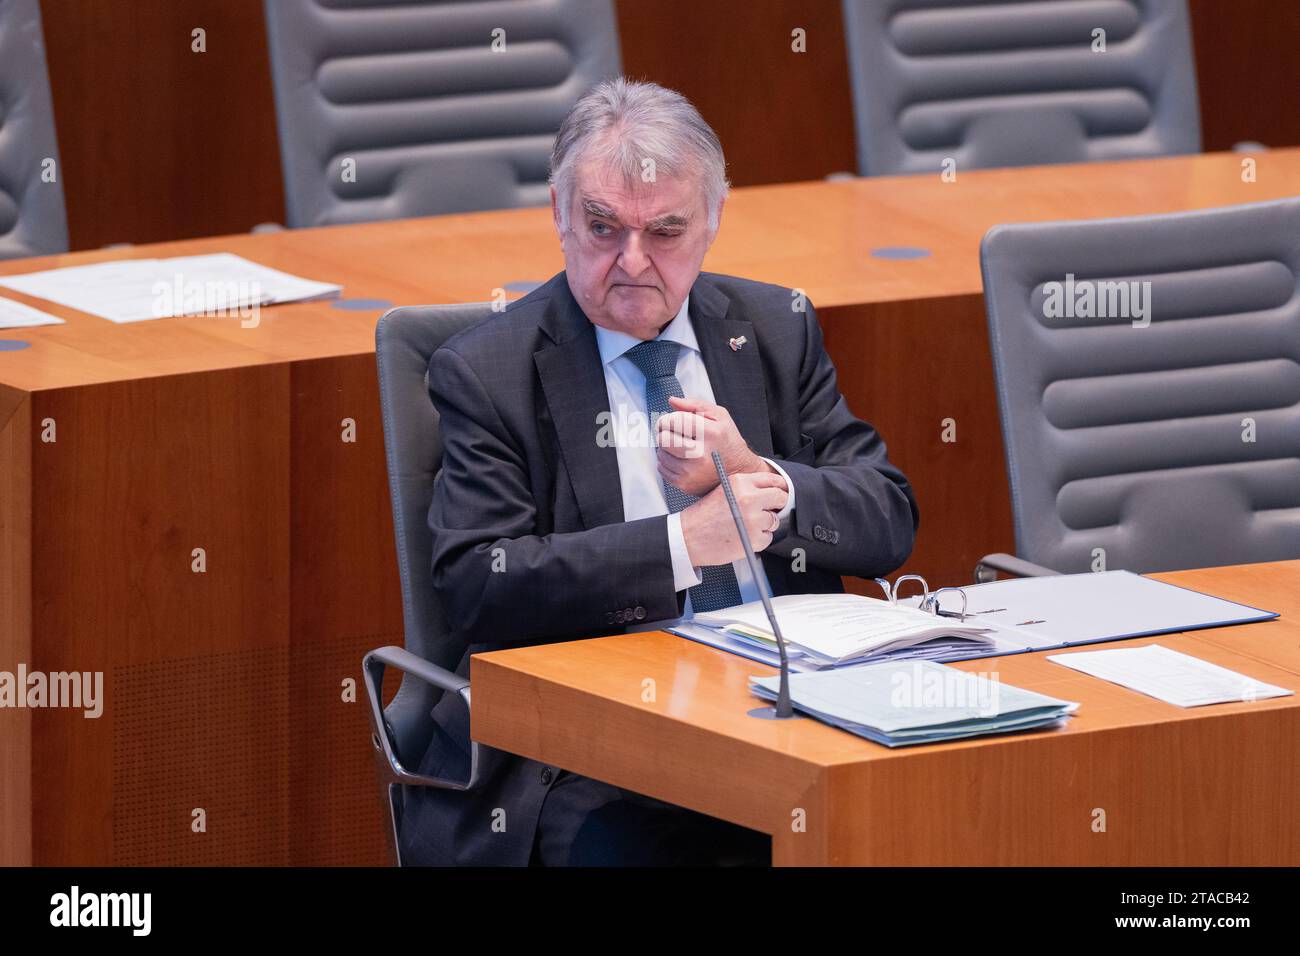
[658, 362]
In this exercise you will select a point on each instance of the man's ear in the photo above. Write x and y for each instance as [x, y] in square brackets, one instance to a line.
[713, 233]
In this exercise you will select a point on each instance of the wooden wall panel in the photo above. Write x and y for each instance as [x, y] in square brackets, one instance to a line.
[1248, 71]
[781, 115]
[158, 142]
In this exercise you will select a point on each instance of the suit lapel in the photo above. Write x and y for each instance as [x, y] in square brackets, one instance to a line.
[573, 381]
[735, 374]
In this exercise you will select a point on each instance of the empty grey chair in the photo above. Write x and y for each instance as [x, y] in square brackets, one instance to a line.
[1016, 84]
[404, 340]
[1148, 379]
[32, 220]
[420, 108]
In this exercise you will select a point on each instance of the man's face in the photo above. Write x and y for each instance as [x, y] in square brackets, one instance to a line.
[632, 251]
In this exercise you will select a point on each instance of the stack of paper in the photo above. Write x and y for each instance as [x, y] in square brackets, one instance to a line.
[918, 702]
[834, 629]
[131, 290]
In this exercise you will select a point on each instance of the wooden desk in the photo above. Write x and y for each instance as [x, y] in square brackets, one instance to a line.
[1209, 786]
[226, 689]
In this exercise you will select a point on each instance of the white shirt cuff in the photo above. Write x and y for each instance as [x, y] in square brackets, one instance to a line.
[684, 575]
[785, 512]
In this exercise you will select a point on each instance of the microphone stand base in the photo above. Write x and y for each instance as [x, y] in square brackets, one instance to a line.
[768, 713]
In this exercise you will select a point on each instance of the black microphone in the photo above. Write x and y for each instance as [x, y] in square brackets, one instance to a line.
[783, 708]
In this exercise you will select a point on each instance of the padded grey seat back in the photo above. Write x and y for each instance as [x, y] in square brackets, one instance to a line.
[1017, 83]
[1175, 445]
[391, 110]
[405, 338]
[32, 220]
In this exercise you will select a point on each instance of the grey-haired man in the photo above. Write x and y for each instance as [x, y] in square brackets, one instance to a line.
[578, 429]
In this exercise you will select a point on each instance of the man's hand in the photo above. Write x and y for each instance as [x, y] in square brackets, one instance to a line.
[710, 532]
[690, 435]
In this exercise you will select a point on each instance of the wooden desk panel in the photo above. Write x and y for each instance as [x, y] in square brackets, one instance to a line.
[225, 690]
[179, 431]
[143, 472]
[15, 622]
[1211, 786]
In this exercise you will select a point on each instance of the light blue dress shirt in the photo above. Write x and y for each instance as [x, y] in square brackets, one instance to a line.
[630, 430]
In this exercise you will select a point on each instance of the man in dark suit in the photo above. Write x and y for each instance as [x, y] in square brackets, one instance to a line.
[578, 495]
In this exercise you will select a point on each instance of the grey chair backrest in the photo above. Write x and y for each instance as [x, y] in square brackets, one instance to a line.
[994, 83]
[32, 220]
[405, 338]
[421, 108]
[1173, 444]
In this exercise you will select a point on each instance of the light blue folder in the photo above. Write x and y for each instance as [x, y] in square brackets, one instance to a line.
[900, 703]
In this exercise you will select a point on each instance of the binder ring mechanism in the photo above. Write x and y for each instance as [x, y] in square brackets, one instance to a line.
[929, 601]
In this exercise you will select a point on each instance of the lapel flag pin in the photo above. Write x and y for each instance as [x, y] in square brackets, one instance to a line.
[736, 343]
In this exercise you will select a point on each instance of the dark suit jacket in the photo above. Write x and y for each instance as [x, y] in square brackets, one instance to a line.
[527, 489]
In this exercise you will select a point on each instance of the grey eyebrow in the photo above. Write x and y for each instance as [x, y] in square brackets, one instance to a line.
[592, 208]
[670, 221]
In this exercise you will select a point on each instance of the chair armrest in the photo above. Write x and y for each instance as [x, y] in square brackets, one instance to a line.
[988, 565]
[372, 670]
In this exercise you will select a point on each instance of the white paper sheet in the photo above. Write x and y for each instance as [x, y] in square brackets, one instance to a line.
[1167, 675]
[134, 290]
[15, 315]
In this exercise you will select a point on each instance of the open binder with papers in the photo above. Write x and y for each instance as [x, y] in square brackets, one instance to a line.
[826, 630]
[1003, 617]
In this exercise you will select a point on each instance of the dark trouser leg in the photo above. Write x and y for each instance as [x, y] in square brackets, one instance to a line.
[588, 823]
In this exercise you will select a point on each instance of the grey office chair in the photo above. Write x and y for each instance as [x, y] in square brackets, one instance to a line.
[404, 340]
[1153, 447]
[989, 83]
[32, 220]
[410, 110]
